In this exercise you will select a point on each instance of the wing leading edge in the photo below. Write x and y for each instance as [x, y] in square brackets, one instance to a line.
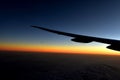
[114, 44]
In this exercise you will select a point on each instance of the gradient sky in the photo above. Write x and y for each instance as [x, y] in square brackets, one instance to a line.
[100, 18]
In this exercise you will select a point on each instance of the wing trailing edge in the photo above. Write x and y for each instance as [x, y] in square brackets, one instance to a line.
[114, 44]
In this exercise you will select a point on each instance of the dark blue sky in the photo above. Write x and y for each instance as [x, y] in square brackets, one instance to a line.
[99, 18]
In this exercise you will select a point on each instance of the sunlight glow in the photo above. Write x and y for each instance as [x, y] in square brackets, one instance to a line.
[59, 48]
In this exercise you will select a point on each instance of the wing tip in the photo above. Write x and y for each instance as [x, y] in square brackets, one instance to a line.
[40, 27]
[34, 26]
[37, 27]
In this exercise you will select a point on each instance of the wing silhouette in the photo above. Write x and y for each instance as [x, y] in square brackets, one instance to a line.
[114, 44]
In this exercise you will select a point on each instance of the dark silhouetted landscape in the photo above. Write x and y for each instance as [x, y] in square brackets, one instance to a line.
[54, 66]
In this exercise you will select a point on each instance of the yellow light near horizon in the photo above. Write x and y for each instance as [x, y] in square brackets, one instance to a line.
[59, 48]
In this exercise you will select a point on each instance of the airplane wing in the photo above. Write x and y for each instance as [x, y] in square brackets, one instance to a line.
[114, 44]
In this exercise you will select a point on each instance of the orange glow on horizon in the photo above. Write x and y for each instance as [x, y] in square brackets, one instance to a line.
[58, 49]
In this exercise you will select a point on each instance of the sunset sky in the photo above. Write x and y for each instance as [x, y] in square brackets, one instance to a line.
[99, 18]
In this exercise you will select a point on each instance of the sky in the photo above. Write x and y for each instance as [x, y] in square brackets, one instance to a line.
[99, 18]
